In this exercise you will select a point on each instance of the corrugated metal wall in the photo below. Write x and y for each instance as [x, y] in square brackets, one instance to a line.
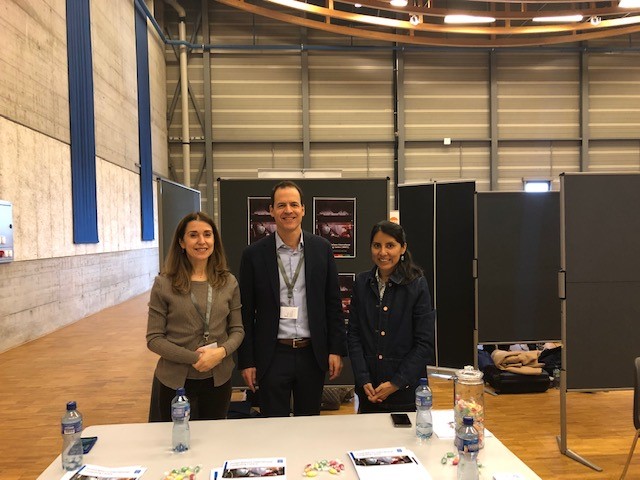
[262, 79]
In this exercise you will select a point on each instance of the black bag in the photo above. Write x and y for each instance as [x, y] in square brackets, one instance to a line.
[507, 382]
[332, 397]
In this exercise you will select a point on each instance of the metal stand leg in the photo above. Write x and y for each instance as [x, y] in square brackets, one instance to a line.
[562, 438]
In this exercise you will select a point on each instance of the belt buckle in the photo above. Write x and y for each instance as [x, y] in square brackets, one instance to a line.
[294, 342]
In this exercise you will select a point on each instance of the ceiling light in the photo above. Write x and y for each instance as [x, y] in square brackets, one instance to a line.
[467, 19]
[414, 20]
[399, 3]
[357, 5]
[629, 4]
[560, 18]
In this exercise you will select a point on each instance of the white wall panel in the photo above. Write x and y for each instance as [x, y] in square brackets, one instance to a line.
[614, 156]
[538, 95]
[446, 95]
[351, 96]
[459, 161]
[538, 160]
[256, 98]
[614, 95]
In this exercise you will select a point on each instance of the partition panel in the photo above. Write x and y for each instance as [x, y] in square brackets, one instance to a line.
[601, 258]
[518, 254]
[455, 295]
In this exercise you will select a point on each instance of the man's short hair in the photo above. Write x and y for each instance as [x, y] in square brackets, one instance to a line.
[286, 184]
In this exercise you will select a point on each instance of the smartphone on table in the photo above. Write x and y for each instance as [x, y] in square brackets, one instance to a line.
[400, 420]
[88, 443]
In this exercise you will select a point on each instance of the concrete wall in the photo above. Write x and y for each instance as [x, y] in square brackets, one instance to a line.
[54, 282]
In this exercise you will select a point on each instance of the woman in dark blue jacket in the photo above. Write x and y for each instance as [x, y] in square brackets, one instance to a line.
[391, 325]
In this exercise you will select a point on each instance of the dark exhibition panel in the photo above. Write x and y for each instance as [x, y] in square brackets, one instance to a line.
[438, 219]
[518, 253]
[455, 289]
[174, 202]
[601, 258]
[417, 210]
[363, 201]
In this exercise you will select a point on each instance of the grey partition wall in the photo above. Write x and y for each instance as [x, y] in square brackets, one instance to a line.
[601, 258]
[518, 259]
[371, 206]
[174, 202]
[438, 219]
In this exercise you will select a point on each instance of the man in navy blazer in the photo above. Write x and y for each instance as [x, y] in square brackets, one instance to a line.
[291, 310]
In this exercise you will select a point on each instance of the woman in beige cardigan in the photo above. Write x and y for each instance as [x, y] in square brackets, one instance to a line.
[194, 323]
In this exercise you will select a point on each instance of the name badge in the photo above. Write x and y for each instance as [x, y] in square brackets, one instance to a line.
[289, 312]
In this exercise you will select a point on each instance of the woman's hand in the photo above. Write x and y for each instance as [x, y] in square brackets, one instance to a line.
[369, 391]
[209, 358]
[382, 392]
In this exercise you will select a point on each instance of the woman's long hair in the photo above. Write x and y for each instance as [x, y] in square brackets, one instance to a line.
[177, 266]
[405, 267]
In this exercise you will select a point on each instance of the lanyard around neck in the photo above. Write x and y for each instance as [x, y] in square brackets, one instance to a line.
[292, 283]
[207, 316]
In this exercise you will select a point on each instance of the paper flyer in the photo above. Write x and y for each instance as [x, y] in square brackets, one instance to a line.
[96, 472]
[255, 468]
[387, 463]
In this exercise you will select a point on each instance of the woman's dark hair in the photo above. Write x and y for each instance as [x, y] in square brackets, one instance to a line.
[177, 266]
[406, 268]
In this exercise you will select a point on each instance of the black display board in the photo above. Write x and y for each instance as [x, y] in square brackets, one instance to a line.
[371, 206]
[174, 202]
[518, 253]
[455, 289]
[438, 220]
[417, 211]
[601, 257]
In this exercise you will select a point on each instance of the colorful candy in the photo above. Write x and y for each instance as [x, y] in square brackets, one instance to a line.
[184, 473]
[334, 467]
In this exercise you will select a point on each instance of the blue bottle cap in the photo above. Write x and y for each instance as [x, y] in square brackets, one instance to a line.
[180, 392]
[423, 381]
[467, 420]
[71, 406]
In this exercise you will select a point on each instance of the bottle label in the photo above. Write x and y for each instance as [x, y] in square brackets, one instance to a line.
[426, 402]
[180, 412]
[72, 428]
[469, 445]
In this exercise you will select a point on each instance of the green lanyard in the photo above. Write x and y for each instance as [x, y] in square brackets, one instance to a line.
[290, 284]
[207, 316]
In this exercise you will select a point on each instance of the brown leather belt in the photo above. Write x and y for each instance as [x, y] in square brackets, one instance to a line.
[295, 342]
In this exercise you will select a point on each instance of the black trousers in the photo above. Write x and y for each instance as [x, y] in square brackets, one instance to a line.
[292, 371]
[208, 402]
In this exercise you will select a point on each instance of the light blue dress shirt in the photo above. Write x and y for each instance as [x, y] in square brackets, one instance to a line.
[289, 327]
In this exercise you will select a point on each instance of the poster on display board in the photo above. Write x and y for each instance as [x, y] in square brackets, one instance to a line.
[335, 220]
[260, 223]
[346, 281]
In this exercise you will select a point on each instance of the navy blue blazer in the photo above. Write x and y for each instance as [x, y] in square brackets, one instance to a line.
[391, 339]
[260, 292]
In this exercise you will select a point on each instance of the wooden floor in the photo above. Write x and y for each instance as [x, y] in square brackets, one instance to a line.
[102, 362]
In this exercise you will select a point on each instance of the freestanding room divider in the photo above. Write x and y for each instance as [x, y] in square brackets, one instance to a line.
[438, 220]
[599, 285]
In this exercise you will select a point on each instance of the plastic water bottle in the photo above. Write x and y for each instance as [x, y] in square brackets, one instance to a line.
[468, 445]
[180, 412]
[71, 438]
[424, 401]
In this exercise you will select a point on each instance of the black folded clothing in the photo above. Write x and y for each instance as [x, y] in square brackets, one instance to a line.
[507, 382]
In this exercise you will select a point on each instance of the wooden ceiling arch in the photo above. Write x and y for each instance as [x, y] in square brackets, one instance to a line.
[514, 24]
